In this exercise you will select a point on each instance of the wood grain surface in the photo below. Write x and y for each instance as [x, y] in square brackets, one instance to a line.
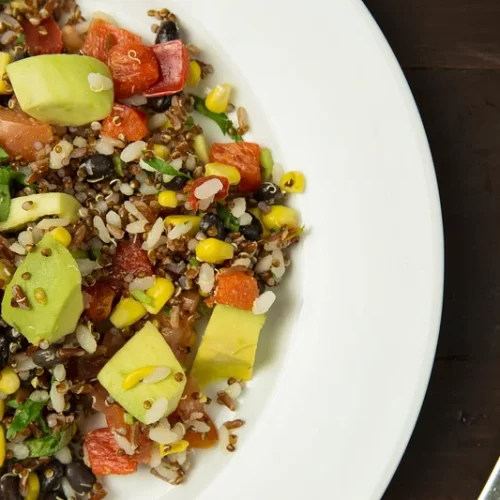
[450, 52]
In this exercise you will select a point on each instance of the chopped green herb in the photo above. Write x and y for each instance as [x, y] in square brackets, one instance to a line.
[118, 163]
[166, 311]
[95, 253]
[189, 122]
[79, 254]
[13, 404]
[194, 262]
[4, 155]
[43, 424]
[21, 39]
[8, 174]
[143, 298]
[266, 163]
[164, 167]
[222, 120]
[230, 221]
[4, 202]
[26, 413]
[47, 446]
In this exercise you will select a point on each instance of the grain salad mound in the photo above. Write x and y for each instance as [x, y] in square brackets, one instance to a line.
[120, 228]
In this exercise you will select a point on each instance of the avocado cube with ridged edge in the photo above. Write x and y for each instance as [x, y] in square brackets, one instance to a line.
[228, 346]
[51, 282]
[146, 348]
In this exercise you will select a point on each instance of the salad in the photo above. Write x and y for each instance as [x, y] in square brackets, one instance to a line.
[120, 228]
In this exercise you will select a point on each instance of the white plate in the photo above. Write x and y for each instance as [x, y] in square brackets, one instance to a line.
[344, 361]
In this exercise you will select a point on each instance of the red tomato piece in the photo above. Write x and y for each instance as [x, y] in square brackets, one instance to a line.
[51, 43]
[115, 418]
[192, 185]
[101, 301]
[236, 290]
[19, 133]
[126, 121]
[102, 36]
[174, 68]
[130, 258]
[245, 156]
[134, 68]
[104, 457]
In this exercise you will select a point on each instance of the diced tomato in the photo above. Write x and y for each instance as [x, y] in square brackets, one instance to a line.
[115, 418]
[101, 301]
[143, 453]
[130, 258]
[49, 43]
[104, 457]
[205, 440]
[126, 121]
[236, 290]
[102, 36]
[19, 133]
[180, 338]
[245, 156]
[134, 68]
[174, 68]
[192, 185]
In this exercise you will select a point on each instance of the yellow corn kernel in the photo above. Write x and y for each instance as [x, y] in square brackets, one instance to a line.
[293, 182]
[168, 199]
[218, 100]
[201, 148]
[126, 313]
[194, 74]
[280, 216]
[161, 151]
[2, 446]
[5, 275]
[214, 251]
[132, 379]
[33, 487]
[169, 449]
[182, 219]
[166, 126]
[9, 381]
[232, 174]
[5, 87]
[161, 292]
[62, 236]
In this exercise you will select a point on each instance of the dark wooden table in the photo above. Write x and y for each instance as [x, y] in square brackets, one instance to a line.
[450, 52]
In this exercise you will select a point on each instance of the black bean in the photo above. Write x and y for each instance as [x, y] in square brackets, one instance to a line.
[212, 226]
[4, 351]
[80, 477]
[9, 487]
[252, 231]
[160, 104]
[4, 100]
[47, 358]
[168, 31]
[99, 167]
[268, 192]
[177, 183]
[50, 476]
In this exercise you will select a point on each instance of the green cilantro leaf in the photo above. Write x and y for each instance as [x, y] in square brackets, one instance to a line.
[21, 39]
[221, 119]
[47, 446]
[4, 155]
[164, 168]
[28, 412]
[230, 221]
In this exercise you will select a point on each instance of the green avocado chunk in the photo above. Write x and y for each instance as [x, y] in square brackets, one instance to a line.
[147, 348]
[228, 346]
[40, 205]
[50, 280]
[56, 89]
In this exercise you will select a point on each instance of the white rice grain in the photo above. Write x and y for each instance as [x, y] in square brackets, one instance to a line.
[137, 227]
[99, 83]
[86, 339]
[39, 396]
[61, 152]
[133, 151]
[104, 147]
[162, 435]
[46, 224]
[80, 142]
[124, 444]
[154, 236]
[87, 266]
[102, 232]
[264, 264]
[262, 304]
[160, 373]
[157, 120]
[234, 390]
[157, 411]
[245, 219]
[113, 218]
[20, 451]
[17, 248]
[59, 372]
[126, 189]
[142, 283]
[133, 210]
[180, 230]
[278, 270]
[208, 189]
[240, 206]
[64, 455]
[56, 398]
[206, 278]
